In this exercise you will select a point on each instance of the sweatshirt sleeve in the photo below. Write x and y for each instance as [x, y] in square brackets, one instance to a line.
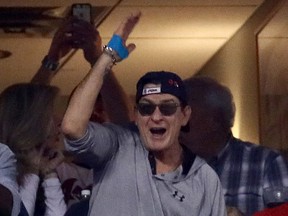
[28, 192]
[97, 146]
[55, 204]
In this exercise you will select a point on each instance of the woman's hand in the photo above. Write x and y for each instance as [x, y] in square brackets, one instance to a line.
[49, 162]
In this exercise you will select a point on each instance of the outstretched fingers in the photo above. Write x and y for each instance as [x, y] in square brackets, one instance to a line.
[127, 26]
[117, 47]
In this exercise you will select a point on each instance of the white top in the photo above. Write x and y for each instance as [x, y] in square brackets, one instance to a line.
[55, 204]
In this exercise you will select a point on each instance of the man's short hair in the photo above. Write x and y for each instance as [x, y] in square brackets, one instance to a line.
[213, 97]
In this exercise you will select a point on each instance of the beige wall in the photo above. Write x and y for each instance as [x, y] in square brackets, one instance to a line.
[235, 65]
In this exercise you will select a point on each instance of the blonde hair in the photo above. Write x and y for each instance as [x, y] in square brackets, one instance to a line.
[26, 111]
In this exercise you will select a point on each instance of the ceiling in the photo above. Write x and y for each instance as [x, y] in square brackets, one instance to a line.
[180, 36]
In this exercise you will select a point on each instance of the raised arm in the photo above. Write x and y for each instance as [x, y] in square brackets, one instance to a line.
[78, 34]
[60, 46]
[81, 105]
[72, 34]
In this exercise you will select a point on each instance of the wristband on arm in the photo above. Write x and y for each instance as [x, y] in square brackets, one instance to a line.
[116, 44]
[49, 64]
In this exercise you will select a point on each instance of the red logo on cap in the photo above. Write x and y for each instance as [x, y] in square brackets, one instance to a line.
[171, 82]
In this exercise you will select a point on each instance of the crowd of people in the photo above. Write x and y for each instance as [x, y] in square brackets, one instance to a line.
[177, 157]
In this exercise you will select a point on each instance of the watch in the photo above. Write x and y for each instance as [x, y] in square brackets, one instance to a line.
[49, 64]
[109, 51]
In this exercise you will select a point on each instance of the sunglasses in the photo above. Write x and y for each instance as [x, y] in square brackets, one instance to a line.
[167, 109]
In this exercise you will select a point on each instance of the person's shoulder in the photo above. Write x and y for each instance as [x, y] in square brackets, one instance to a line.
[239, 142]
[127, 127]
[250, 145]
[6, 157]
[254, 148]
[121, 131]
[96, 126]
[131, 126]
[4, 148]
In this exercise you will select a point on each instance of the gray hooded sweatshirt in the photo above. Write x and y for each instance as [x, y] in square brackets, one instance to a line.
[125, 184]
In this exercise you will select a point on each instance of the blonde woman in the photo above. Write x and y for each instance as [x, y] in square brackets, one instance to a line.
[26, 127]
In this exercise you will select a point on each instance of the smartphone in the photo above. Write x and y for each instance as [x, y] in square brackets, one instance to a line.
[82, 12]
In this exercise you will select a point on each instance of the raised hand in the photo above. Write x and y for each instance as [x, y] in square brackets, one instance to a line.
[87, 38]
[50, 161]
[62, 41]
[73, 34]
[126, 27]
[117, 47]
[77, 34]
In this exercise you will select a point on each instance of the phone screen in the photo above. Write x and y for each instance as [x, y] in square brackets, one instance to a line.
[82, 11]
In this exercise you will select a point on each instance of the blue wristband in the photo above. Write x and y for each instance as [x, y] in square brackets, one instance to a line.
[116, 43]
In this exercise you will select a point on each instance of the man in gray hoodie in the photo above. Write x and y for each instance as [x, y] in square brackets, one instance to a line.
[143, 169]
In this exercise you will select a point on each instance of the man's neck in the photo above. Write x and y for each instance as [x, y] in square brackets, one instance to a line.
[168, 161]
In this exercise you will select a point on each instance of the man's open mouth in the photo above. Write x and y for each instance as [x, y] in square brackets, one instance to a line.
[158, 131]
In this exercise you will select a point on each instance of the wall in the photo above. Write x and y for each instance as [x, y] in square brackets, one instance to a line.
[235, 65]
